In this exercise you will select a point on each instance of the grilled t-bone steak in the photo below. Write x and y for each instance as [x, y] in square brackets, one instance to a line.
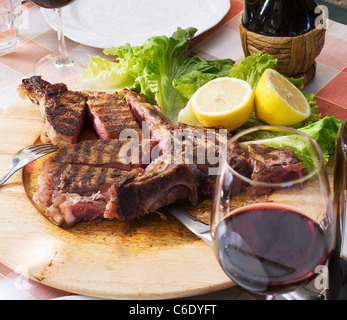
[110, 114]
[62, 110]
[80, 185]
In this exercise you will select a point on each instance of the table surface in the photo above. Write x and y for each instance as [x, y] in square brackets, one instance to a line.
[223, 41]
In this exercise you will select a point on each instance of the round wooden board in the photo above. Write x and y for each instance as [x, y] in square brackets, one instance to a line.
[151, 258]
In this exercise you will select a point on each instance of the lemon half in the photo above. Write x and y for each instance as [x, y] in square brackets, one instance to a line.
[278, 101]
[223, 102]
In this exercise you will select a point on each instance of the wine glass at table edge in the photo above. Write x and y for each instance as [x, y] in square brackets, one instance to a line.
[58, 65]
[270, 237]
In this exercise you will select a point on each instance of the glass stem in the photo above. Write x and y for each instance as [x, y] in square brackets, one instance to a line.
[63, 59]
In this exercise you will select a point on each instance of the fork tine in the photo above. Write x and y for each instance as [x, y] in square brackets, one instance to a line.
[43, 150]
[42, 145]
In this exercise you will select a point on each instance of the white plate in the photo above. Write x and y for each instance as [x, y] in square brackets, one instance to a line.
[107, 23]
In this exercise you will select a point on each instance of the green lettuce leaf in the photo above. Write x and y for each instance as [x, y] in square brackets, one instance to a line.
[252, 67]
[155, 64]
[324, 132]
[102, 74]
[200, 71]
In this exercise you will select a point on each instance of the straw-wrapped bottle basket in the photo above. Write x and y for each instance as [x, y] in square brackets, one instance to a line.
[296, 55]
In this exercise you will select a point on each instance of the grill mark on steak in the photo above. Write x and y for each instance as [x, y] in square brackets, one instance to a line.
[110, 115]
[102, 176]
[114, 153]
[85, 150]
[63, 111]
[100, 158]
[60, 155]
[89, 172]
[97, 153]
[73, 172]
[61, 168]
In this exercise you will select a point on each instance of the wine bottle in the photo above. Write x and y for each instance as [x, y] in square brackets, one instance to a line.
[338, 259]
[282, 18]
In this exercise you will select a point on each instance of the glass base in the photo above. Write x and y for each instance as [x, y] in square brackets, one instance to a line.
[54, 69]
[8, 44]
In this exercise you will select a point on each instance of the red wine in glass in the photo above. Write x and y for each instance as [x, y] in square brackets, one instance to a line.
[270, 248]
[57, 66]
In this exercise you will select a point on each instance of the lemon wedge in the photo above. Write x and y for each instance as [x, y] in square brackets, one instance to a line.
[223, 102]
[278, 101]
[187, 115]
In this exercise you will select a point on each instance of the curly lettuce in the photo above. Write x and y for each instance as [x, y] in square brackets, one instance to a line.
[252, 67]
[199, 72]
[102, 74]
[155, 64]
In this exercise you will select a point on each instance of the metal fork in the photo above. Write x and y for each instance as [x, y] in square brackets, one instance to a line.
[27, 155]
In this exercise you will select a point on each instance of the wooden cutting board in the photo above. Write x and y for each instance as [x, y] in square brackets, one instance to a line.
[151, 258]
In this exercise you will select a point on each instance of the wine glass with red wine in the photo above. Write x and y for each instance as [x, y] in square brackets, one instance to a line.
[59, 65]
[272, 217]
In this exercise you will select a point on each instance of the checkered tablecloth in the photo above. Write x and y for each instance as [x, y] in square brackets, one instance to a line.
[37, 39]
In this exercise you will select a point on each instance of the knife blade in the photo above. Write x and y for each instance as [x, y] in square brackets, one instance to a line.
[200, 229]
